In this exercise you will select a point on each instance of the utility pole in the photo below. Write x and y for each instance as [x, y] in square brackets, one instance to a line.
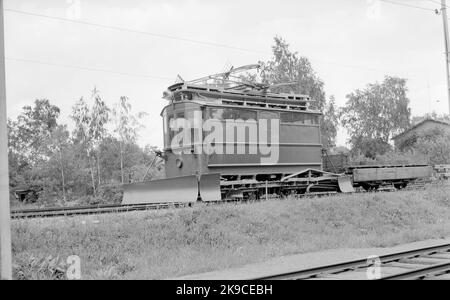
[447, 47]
[5, 218]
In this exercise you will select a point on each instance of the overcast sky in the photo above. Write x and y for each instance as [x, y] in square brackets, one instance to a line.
[350, 43]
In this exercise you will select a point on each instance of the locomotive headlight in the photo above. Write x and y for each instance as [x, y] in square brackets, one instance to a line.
[168, 95]
[179, 162]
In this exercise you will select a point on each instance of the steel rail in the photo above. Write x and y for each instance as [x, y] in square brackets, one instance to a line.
[105, 208]
[97, 206]
[35, 213]
[356, 264]
[420, 273]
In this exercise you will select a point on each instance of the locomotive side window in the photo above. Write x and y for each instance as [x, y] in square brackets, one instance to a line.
[312, 120]
[299, 119]
[231, 113]
[173, 132]
[194, 116]
[168, 134]
[309, 120]
[169, 130]
[268, 115]
[215, 113]
[247, 115]
[293, 118]
[165, 129]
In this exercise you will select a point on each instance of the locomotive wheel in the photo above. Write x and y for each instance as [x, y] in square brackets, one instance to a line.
[252, 196]
[400, 186]
[301, 191]
[288, 193]
[370, 187]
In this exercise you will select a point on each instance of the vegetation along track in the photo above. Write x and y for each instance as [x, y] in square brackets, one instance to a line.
[118, 208]
[425, 263]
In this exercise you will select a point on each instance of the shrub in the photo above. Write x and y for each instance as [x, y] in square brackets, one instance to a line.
[435, 145]
[36, 268]
[401, 158]
[110, 193]
[370, 147]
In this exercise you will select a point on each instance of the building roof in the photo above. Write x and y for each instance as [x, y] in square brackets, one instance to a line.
[418, 125]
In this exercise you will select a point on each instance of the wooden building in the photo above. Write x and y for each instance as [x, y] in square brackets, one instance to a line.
[408, 137]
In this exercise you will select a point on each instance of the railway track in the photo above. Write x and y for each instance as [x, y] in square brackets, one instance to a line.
[104, 209]
[117, 208]
[425, 263]
[90, 210]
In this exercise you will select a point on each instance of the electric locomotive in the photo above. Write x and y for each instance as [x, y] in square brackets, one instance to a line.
[228, 138]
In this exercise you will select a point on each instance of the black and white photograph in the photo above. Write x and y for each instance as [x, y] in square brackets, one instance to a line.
[224, 147]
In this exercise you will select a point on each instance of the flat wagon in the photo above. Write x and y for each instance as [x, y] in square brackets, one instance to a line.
[372, 177]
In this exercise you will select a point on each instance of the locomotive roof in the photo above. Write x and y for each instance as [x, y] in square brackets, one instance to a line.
[234, 94]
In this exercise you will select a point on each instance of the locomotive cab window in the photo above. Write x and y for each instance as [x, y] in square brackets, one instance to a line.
[187, 113]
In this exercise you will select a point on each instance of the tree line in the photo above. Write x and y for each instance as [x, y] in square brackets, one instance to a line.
[85, 165]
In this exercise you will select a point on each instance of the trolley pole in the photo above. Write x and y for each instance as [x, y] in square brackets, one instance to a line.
[447, 47]
[5, 217]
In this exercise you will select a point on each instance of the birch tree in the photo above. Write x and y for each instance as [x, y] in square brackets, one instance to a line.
[126, 127]
[83, 121]
[58, 143]
[99, 118]
[373, 115]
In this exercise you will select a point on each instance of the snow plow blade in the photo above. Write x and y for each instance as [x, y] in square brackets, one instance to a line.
[177, 190]
[210, 187]
[345, 184]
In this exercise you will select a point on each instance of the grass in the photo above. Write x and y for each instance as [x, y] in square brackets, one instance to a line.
[170, 243]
